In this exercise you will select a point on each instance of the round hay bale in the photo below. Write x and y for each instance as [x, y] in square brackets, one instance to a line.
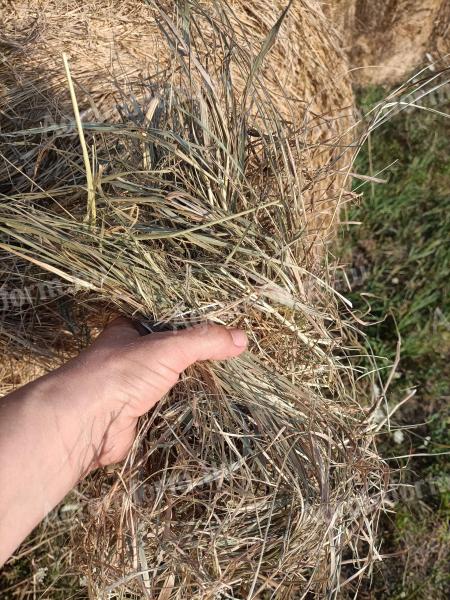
[117, 48]
[217, 140]
[386, 41]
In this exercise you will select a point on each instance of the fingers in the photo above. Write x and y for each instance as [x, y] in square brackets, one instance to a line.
[180, 349]
[143, 369]
[175, 350]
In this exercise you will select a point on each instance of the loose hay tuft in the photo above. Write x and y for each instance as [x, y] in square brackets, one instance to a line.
[214, 189]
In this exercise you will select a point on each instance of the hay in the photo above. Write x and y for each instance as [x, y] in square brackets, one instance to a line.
[118, 48]
[387, 41]
[217, 175]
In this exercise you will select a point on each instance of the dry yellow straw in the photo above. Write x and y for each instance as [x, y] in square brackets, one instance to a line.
[91, 207]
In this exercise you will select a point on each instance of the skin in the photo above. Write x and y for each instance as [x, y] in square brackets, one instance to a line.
[60, 427]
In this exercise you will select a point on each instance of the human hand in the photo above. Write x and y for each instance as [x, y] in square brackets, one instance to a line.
[122, 375]
[84, 415]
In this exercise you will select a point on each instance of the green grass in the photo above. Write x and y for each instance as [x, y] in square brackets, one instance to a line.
[403, 247]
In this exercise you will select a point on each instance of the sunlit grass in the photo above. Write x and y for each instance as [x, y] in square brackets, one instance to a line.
[402, 246]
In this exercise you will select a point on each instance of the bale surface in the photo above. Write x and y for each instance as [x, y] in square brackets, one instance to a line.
[387, 41]
[114, 47]
[217, 138]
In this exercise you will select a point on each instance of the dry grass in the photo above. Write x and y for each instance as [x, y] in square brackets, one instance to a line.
[212, 194]
[387, 41]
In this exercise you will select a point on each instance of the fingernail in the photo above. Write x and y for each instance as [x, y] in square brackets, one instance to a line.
[239, 337]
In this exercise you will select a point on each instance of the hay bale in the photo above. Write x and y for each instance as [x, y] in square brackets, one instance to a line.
[386, 41]
[217, 173]
[118, 48]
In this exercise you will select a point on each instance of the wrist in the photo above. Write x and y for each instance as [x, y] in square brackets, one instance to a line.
[42, 456]
[70, 419]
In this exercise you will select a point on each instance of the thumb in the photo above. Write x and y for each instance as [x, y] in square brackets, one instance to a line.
[159, 358]
[178, 350]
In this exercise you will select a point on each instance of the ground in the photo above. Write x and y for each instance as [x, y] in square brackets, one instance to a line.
[401, 255]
